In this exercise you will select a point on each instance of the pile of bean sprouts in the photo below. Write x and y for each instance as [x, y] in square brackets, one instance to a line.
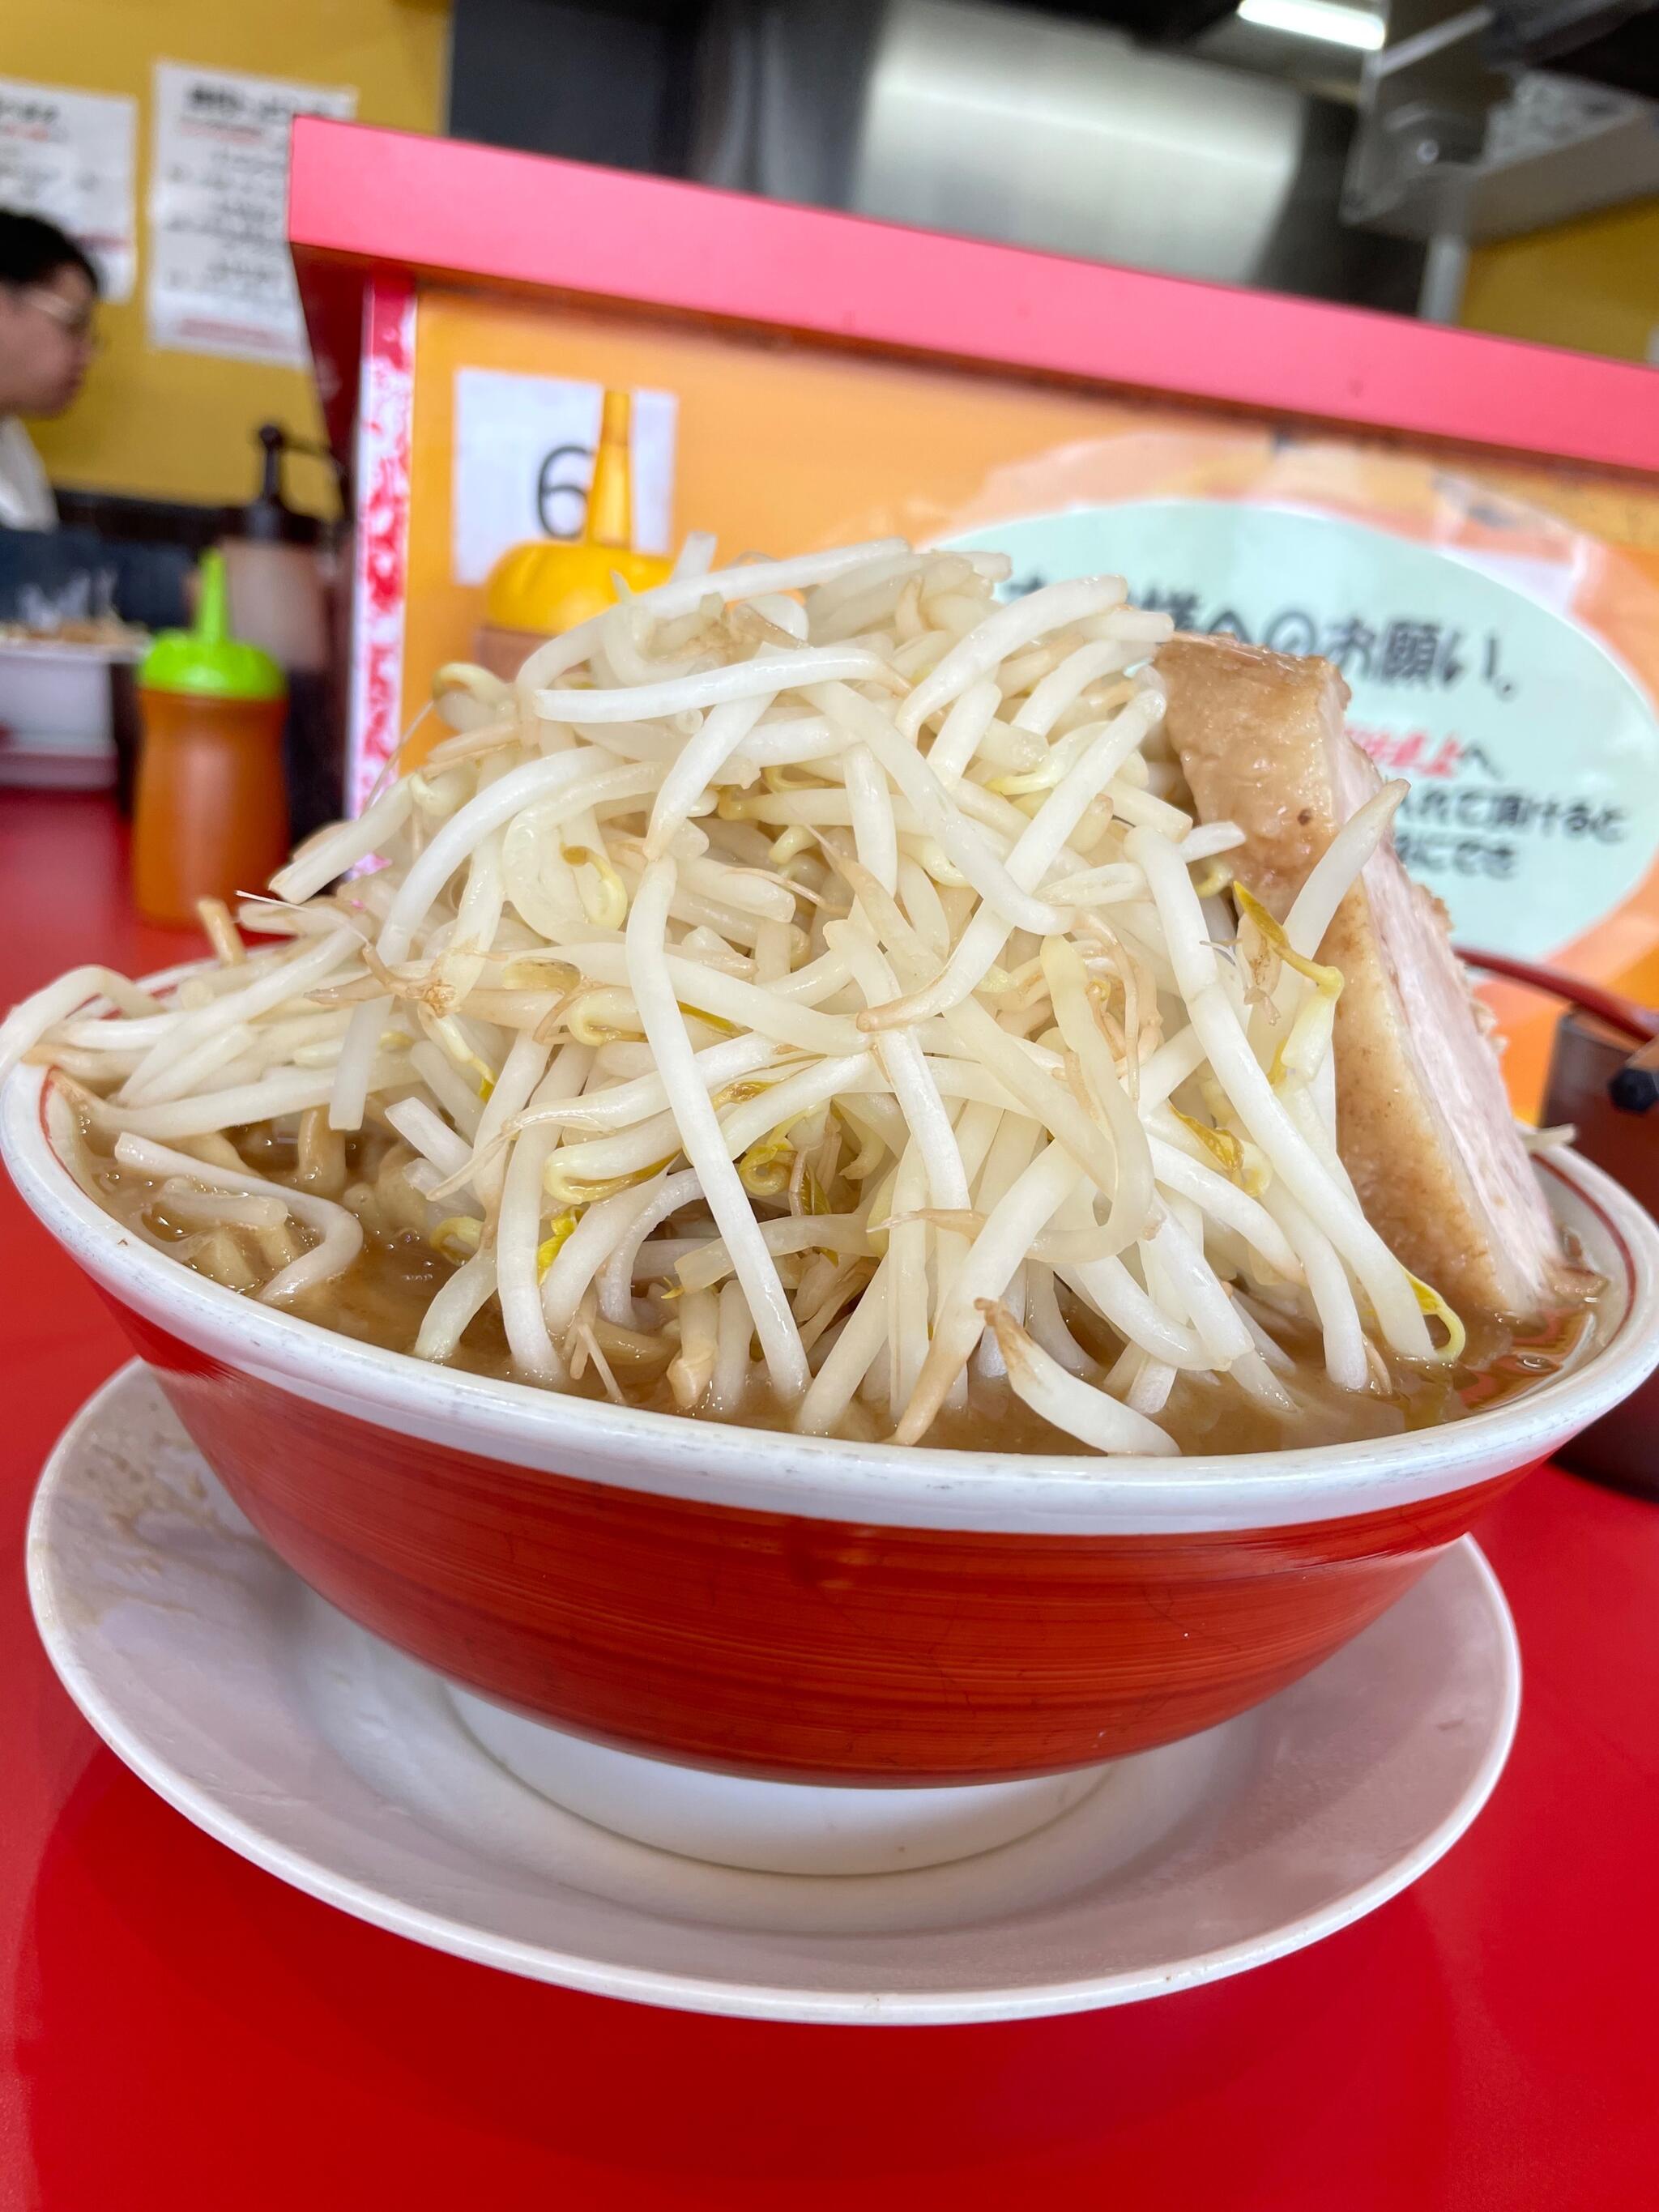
[803, 982]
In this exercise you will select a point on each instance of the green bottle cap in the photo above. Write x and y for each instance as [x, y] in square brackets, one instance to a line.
[206, 661]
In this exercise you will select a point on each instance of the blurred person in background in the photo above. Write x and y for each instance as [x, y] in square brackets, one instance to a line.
[48, 294]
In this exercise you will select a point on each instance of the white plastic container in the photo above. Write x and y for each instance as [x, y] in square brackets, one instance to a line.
[56, 713]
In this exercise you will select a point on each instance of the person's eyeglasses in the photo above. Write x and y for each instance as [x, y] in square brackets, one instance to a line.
[77, 322]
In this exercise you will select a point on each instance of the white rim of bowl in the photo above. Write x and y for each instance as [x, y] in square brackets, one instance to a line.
[717, 1463]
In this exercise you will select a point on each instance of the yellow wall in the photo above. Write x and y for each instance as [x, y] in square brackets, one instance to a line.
[1593, 284]
[179, 425]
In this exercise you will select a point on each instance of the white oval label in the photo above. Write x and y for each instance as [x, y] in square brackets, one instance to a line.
[1532, 756]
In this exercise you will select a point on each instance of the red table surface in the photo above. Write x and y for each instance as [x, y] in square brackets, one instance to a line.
[185, 2032]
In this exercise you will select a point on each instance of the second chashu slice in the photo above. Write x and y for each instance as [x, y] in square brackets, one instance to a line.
[1424, 1125]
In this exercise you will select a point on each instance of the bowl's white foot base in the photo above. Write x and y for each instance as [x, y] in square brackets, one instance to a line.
[773, 1827]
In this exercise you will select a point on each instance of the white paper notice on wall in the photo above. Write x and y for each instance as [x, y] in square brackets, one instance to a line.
[69, 157]
[220, 278]
[524, 459]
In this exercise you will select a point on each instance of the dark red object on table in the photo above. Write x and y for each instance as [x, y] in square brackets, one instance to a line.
[186, 2032]
[1604, 1084]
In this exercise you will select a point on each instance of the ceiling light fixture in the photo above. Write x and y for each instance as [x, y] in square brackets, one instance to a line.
[1316, 19]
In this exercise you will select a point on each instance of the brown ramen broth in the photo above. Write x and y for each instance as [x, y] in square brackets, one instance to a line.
[382, 1298]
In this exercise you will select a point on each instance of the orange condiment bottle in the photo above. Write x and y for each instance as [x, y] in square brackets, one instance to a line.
[211, 816]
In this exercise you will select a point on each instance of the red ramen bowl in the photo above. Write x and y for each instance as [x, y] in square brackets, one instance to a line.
[983, 1629]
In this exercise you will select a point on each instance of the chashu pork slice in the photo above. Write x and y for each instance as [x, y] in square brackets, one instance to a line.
[1424, 1125]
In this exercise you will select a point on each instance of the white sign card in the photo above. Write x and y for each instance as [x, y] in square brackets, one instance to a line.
[219, 278]
[524, 459]
[69, 157]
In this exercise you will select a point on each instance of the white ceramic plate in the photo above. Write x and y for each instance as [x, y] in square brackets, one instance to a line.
[328, 1758]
